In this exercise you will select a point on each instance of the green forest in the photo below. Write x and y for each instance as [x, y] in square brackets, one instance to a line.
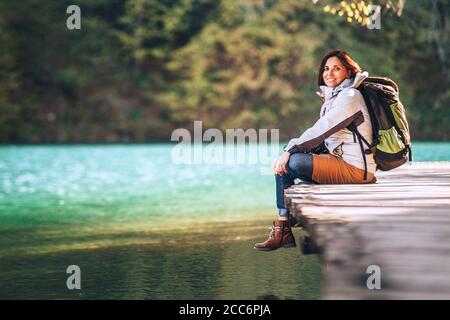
[138, 69]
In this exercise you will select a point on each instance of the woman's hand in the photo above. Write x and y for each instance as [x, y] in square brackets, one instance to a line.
[279, 165]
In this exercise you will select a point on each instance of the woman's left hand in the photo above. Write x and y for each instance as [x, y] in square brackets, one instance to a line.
[279, 165]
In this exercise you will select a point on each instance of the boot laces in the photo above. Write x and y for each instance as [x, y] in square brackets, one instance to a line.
[272, 231]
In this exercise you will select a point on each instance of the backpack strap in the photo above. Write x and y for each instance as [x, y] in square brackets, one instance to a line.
[353, 128]
[372, 116]
[409, 152]
[360, 137]
[364, 158]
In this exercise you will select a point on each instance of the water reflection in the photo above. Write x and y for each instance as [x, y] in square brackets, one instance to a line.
[216, 261]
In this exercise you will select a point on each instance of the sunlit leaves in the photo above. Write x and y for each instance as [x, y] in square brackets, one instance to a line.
[361, 12]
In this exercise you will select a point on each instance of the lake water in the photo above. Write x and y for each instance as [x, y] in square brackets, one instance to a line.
[141, 227]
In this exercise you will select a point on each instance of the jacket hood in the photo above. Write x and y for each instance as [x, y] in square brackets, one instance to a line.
[328, 92]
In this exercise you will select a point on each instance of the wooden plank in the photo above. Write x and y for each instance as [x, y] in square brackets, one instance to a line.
[401, 223]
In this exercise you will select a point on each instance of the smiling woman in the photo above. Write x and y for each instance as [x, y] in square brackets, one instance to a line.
[341, 160]
[335, 67]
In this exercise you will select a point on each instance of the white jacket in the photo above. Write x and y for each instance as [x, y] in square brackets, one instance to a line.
[342, 105]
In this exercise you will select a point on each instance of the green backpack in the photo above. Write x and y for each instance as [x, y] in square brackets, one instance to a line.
[391, 143]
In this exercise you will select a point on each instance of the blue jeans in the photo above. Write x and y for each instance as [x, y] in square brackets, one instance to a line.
[300, 165]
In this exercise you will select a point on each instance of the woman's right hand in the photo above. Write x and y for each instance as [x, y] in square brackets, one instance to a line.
[279, 165]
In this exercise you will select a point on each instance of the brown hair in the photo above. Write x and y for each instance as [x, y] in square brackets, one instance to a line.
[345, 59]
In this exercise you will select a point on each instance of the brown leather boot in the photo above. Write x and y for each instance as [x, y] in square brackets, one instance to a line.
[280, 236]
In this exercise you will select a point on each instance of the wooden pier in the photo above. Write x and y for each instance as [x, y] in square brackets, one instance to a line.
[400, 225]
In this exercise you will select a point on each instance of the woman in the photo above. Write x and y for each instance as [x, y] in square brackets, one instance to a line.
[343, 104]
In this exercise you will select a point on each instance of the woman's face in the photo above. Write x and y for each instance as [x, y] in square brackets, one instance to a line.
[334, 72]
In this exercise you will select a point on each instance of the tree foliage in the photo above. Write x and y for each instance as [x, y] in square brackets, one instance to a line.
[140, 68]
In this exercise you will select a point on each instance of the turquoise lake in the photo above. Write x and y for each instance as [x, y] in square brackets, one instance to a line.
[140, 226]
